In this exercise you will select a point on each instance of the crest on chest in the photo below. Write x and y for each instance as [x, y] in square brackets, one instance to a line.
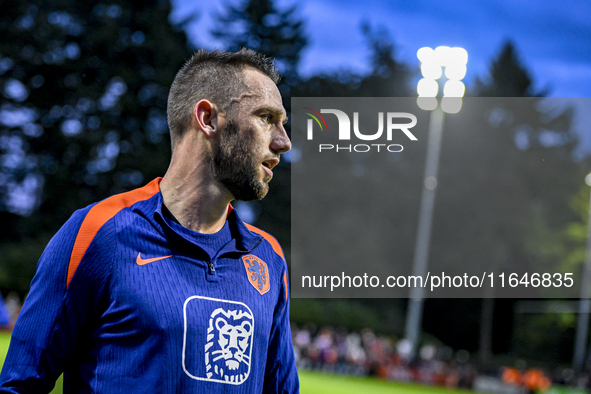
[257, 273]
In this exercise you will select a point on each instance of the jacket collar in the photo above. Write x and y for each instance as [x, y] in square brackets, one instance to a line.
[151, 209]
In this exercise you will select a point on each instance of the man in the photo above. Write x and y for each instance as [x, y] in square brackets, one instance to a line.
[164, 289]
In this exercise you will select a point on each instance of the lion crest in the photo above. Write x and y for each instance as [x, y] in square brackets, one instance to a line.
[227, 353]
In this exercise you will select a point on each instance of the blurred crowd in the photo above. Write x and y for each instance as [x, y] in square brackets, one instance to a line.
[368, 354]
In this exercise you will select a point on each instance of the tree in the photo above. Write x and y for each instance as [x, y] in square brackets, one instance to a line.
[389, 77]
[544, 335]
[84, 116]
[507, 76]
[259, 25]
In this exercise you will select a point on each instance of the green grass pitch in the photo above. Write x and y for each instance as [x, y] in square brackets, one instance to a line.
[315, 382]
[320, 383]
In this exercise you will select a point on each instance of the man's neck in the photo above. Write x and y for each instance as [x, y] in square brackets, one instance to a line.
[196, 206]
[190, 192]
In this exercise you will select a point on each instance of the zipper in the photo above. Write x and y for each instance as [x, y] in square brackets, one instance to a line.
[211, 267]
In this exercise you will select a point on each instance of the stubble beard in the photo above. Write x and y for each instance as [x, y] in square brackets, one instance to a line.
[234, 166]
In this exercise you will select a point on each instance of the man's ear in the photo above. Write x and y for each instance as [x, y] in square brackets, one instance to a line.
[206, 114]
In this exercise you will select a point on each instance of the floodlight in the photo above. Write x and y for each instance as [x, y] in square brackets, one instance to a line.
[432, 63]
[426, 55]
[455, 71]
[459, 55]
[451, 105]
[431, 70]
[454, 89]
[427, 103]
[443, 55]
[427, 88]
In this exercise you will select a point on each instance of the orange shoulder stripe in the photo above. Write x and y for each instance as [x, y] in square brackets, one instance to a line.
[269, 238]
[100, 214]
[286, 288]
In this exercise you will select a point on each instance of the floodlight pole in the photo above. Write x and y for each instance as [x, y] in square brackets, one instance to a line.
[584, 305]
[414, 314]
[439, 57]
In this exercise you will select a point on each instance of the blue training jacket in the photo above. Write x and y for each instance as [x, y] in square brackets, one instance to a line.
[122, 302]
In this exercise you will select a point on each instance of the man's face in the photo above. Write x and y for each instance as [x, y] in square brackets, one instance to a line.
[251, 140]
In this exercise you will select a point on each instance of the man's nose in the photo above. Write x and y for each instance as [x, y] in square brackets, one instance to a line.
[281, 142]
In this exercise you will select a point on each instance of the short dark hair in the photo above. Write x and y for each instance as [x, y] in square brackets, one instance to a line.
[215, 76]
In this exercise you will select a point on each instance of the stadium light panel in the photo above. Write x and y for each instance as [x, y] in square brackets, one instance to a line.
[443, 55]
[455, 71]
[434, 64]
[459, 55]
[426, 55]
[427, 103]
[427, 88]
[431, 70]
[451, 105]
[454, 89]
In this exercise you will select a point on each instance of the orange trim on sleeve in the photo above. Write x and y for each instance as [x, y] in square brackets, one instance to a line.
[269, 238]
[100, 214]
[286, 288]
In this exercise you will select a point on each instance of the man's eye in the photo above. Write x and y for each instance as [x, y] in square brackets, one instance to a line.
[267, 118]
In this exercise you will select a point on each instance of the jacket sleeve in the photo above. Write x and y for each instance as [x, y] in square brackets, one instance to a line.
[281, 375]
[55, 316]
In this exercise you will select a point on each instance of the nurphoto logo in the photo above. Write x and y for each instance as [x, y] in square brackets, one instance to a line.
[395, 122]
